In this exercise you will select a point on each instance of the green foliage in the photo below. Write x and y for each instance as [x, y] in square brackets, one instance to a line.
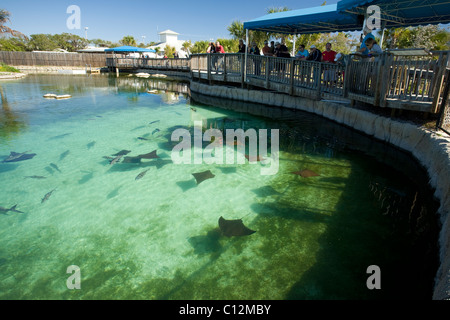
[42, 42]
[200, 47]
[128, 41]
[229, 45]
[430, 37]
[13, 44]
[236, 30]
[169, 51]
[70, 42]
[5, 68]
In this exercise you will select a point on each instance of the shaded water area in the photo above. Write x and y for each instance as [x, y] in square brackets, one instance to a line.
[157, 237]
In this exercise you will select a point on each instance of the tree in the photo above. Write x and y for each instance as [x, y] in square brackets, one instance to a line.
[128, 41]
[42, 42]
[236, 30]
[4, 18]
[70, 42]
[200, 47]
[431, 37]
[169, 51]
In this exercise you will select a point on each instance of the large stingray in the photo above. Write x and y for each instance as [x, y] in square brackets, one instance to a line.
[306, 173]
[151, 155]
[202, 176]
[16, 157]
[234, 228]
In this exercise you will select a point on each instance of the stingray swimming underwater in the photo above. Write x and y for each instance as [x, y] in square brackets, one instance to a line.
[234, 228]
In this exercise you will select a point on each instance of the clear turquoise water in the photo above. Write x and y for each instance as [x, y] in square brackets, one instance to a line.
[158, 238]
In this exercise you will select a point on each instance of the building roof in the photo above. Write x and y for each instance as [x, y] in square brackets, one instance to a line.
[169, 32]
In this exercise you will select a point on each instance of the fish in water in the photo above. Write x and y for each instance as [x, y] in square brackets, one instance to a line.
[16, 157]
[60, 136]
[47, 196]
[193, 109]
[35, 177]
[156, 131]
[54, 166]
[306, 173]
[122, 153]
[202, 176]
[144, 139]
[90, 145]
[64, 155]
[154, 122]
[151, 155]
[116, 159]
[12, 209]
[132, 160]
[141, 175]
[234, 228]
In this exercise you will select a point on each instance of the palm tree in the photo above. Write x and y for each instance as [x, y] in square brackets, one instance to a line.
[128, 41]
[236, 30]
[4, 18]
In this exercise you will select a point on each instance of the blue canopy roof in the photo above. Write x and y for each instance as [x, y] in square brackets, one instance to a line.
[401, 13]
[129, 49]
[311, 20]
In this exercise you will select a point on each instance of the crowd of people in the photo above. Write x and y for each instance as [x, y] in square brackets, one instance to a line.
[368, 49]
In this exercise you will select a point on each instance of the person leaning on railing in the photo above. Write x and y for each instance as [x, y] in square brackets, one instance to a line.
[374, 49]
[302, 53]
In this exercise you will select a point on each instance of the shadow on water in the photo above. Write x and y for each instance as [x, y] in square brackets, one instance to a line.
[10, 122]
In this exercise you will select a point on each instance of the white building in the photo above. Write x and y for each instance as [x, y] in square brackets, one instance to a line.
[168, 37]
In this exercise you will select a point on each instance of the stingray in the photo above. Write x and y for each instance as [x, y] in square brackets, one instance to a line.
[16, 157]
[202, 176]
[131, 160]
[122, 153]
[234, 228]
[151, 155]
[306, 173]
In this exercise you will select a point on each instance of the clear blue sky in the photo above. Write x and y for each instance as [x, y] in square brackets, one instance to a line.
[113, 19]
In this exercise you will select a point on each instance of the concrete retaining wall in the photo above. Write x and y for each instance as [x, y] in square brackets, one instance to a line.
[430, 148]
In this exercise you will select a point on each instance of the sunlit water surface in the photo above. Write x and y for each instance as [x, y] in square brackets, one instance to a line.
[158, 237]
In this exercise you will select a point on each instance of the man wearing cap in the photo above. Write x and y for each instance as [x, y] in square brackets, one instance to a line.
[315, 54]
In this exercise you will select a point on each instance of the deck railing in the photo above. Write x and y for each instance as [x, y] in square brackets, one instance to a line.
[415, 84]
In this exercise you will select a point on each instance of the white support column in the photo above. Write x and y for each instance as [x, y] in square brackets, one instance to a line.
[246, 54]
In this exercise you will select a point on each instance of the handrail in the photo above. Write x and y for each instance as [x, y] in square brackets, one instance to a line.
[386, 82]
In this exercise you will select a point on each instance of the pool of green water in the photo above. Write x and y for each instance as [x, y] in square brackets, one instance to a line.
[158, 238]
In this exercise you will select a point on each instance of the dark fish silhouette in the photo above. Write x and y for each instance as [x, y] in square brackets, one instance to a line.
[151, 155]
[90, 145]
[234, 228]
[141, 175]
[202, 176]
[64, 155]
[154, 122]
[54, 166]
[35, 177]
[156, 131]
[60, 136]
[16, 157]
[47, 196]
[12, 209]
[122, 153]
[131, 160]
[145, 139]
[306, 173]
